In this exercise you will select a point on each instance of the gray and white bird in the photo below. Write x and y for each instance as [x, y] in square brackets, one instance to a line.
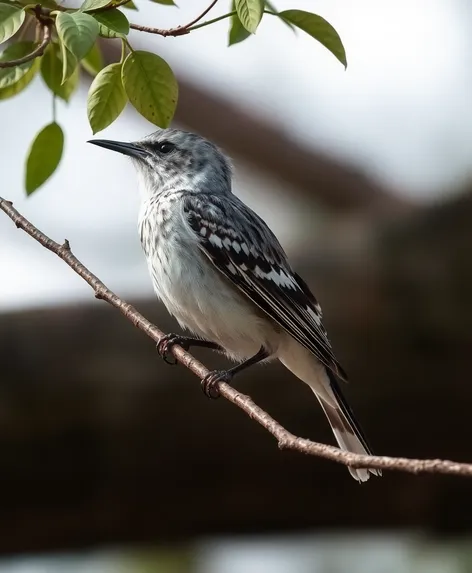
[222, 273]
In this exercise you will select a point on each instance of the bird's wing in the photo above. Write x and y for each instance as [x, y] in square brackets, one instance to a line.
[242, 247]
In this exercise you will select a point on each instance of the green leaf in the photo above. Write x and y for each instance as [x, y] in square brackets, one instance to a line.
[106, 98]
[112, 23]
[44, 156]
[237, 32]
[151, 87]
[69, 63]
[77, 31]
[94, 4]
[250, 13]
[165, 2]
[51, 72]
[318, 28]
[24, 81]
[93, 61]
[130, 5]
[10, 76]
[11, 19]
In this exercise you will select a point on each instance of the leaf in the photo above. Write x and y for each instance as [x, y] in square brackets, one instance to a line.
[106, 98]
[237, 32]
[11, 19]
[94, 4]
[69, 63]
[51, 72]
[151, 87]
[130, 5]
[165, 2]
[112, 23]
[23, 82]
[44, 156]
[250, 13]
[318, 28]
[93, 61]
[10, 76]
[77, 31]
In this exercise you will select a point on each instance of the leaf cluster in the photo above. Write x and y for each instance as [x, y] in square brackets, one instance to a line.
[71, 42]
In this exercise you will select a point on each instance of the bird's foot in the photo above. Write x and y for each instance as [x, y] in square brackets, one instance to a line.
[211, 381]
[166, 343]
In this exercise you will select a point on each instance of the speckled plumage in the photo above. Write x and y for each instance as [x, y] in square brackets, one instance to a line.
[222, 273]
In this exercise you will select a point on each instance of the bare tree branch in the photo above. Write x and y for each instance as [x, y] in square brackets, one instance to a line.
[286, 440]
[38, 52]
[179, 30]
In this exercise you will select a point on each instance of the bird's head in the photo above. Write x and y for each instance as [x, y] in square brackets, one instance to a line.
[175, 159]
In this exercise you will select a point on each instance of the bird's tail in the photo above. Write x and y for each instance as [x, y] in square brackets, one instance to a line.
[346, 429]
[324, 384]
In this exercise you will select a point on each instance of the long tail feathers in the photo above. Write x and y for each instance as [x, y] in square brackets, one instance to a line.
[324, 384]
[346, 429]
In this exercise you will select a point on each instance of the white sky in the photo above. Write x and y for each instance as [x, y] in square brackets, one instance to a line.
[401, 111]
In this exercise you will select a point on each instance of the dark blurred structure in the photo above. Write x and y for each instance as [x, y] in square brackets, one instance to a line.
[102, 443]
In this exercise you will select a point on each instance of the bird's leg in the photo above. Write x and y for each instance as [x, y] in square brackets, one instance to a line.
[166, 342]
[213, 378]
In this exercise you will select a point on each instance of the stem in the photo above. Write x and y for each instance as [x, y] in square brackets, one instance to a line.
[54, 108]
[37, 53]
[181, 30]
[29, 7]
[37, 32]
[202, 15]
[128, 45]
[28, 21]
[208, 22]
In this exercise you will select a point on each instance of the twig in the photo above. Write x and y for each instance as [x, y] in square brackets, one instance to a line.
[286, 440]
[38, 52]
[202, 15]
[179, 30]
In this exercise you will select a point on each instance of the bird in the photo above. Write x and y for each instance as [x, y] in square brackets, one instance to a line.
[222, 273]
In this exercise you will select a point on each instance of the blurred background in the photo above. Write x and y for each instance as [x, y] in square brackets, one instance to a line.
[112, 461]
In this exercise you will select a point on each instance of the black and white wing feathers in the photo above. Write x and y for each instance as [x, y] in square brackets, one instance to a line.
[242, 247]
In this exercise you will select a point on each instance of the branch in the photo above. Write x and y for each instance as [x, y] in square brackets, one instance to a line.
[37, 53]
[286, 440]
[181, 30]
[202, 15]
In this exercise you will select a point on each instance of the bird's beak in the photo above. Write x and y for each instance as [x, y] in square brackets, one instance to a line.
[130, 149]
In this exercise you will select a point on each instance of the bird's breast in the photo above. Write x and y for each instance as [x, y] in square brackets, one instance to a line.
[194, 291]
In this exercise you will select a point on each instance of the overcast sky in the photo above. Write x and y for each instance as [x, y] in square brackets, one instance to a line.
[401, 111]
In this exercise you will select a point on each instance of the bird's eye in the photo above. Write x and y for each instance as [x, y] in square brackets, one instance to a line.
[165, 147]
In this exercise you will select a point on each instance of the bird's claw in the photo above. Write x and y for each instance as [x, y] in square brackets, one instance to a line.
[166, 343]
[211, 381]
